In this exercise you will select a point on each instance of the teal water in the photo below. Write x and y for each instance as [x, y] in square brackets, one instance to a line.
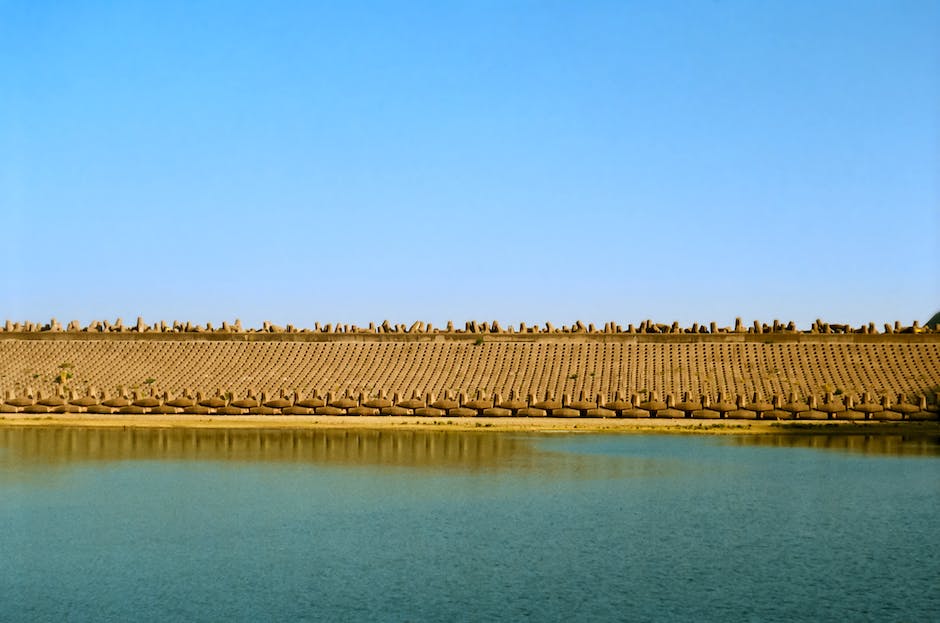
[112, 525]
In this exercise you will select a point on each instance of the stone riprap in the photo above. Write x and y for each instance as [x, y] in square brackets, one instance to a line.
[782, 374]
[471, 327]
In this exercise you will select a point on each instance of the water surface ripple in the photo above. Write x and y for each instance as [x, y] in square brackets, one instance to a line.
[206, 525]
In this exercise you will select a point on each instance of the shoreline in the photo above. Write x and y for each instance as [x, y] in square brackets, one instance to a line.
[490, 424]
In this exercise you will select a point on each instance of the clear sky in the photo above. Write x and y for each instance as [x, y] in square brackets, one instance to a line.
[519, 161]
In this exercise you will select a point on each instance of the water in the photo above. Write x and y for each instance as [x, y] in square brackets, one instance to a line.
[113, 525]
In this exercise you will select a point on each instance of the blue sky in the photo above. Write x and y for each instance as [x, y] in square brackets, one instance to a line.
[523, 161]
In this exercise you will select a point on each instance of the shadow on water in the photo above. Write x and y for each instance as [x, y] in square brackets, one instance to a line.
[880, 444]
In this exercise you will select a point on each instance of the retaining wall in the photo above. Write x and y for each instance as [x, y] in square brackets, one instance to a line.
[602, 374]
[647, 405]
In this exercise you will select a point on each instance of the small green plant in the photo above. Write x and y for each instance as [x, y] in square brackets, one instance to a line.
[36, 376]
[150, 381]
[573, 377]
[64, 365]
[838, 391]
[478, 341]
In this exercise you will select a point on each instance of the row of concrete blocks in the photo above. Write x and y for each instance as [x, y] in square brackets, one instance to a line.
[830, 407]
[470, 327]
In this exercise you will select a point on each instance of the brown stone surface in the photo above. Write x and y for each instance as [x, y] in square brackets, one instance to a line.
[591, 366]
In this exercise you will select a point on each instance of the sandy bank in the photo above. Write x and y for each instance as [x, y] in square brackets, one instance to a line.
[585, 425]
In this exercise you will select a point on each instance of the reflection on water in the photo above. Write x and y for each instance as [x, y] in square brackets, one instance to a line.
[463, 450]
[895, 445]
[246, 525]
[406, 448]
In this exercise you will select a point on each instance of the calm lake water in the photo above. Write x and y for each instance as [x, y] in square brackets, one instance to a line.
[200, 525]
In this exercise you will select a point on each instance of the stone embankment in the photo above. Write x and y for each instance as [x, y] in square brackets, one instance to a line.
[830, 371]
[830, 407]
